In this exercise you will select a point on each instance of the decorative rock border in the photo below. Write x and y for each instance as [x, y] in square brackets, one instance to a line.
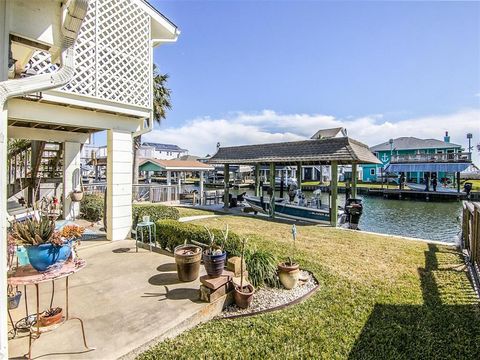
[305, 296]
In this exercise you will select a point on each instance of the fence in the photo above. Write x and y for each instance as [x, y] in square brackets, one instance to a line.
[471, 235]
[141, 192]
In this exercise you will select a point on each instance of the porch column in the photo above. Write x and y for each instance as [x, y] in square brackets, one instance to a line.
[257, 179]
[119, 184]
[169, 183]
[272, 187]
[201, 188]
[179, 179]
[354, 180]
[334, 191]
[226, 186]
[71, 179]
[299, 175]
[3, 234]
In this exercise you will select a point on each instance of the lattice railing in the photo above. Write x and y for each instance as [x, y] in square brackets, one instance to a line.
[112, 54]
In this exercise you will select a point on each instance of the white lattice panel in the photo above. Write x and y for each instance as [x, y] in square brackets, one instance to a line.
[112, 54]
[124, 52]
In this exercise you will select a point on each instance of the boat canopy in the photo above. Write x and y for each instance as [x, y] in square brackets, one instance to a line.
[428, 167]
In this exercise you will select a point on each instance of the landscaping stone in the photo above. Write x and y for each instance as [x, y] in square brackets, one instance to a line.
[266, 298]
[234, 264]
[216, 282]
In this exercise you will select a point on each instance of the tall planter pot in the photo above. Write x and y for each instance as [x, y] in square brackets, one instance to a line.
[243, 297]
[188, 258]
[214, 264]
[43, 256]
[288, 275]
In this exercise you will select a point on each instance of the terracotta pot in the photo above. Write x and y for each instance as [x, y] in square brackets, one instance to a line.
[50, 320]
[288, 275]
[243, 298]
[76, 196]
[187, 258]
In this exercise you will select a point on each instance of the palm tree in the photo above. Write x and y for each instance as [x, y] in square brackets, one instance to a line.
[161, 103]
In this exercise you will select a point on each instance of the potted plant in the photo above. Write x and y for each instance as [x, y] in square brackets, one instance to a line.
[214, 256]
[288, 271]
[243, 295]
[76, 195]
[188, 258]
[50, 317]
[44, 245]
[72, 233]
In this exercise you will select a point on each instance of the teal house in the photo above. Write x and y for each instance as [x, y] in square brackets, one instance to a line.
[412, 148]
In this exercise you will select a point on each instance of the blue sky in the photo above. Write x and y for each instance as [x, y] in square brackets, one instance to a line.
[259, 71]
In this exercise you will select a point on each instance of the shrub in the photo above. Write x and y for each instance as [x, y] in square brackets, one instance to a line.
[262, 268]
[91, 207]
[171, 233]
[155, 211]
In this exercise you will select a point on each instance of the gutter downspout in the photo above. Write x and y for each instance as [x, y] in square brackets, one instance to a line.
[155, 42]
[75, 13]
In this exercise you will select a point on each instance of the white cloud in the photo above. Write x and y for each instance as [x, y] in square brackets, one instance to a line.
[201, 135]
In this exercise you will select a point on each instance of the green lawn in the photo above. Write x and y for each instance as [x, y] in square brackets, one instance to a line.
[379, 298]
[188, 211]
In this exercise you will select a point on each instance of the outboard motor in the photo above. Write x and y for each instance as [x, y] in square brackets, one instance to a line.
[467, 187]
[354, 210]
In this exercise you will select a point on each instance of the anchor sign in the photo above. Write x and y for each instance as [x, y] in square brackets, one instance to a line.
[384, 158]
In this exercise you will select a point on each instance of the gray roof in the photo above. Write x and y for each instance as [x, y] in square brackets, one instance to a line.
[167, 147]
[413, 143]
[342, 149]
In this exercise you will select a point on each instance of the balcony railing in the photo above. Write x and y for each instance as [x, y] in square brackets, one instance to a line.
[433, 158]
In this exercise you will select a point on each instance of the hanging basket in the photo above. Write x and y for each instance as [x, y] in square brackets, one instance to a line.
[77, 196]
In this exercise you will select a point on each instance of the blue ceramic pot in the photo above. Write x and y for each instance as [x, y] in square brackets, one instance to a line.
[43, 256]
[214, 264]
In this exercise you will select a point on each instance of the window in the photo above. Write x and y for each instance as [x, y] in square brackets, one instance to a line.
[372, 171]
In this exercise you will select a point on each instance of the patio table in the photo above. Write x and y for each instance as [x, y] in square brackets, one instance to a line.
[149, 226]
[27, 275]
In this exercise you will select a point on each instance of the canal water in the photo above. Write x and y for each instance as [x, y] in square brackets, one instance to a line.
[440, 221]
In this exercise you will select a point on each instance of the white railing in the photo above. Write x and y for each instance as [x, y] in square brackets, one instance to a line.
[141, 192]
[446, 157]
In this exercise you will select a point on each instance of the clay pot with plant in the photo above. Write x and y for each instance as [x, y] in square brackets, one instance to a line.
[288, 271]
[243, 294]
[214, 256]
[188, 258]
[50, 317]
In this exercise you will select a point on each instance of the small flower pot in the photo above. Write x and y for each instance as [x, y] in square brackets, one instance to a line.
[214, 264]
[187, 258]
[76, 196]
[243, 297]
[44, 320]
[288, 275]
[14, 300]
[43, 256]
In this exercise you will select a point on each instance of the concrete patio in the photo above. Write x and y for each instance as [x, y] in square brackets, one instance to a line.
[127, 301]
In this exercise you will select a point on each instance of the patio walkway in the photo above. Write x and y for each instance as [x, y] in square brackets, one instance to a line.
[126, 300]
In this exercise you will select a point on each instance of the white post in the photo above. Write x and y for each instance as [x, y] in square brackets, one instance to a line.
[179, 177]
[169, 183]
[201, 188]
[119, 184]
[3, 235]
[71, 158]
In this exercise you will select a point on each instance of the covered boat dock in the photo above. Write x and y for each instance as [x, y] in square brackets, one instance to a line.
[325, 151]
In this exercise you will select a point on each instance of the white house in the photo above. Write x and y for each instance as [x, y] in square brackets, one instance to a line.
[150, 150]
[69, 68]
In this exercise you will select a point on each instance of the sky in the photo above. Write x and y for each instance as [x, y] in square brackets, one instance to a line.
[263, 71]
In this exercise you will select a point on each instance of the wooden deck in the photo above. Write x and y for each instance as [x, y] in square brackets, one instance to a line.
[418, 195]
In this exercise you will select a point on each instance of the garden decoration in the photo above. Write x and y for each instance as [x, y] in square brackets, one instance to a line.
[214, 256]
[188, 258]
[288, 271]
[45, 246]
[243, 295]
